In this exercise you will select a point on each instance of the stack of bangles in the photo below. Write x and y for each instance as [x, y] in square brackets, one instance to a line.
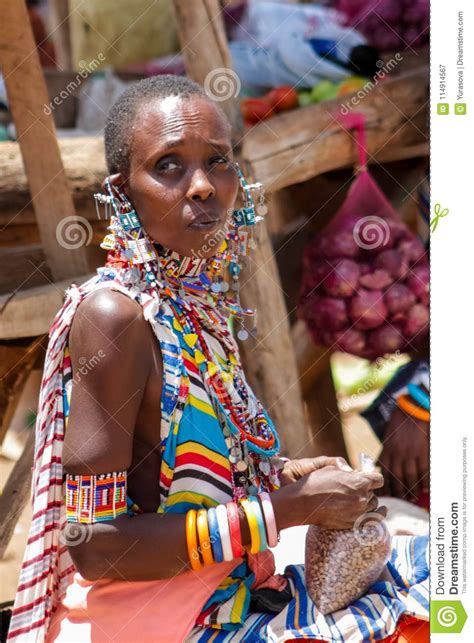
[416, 402]
[213, 535]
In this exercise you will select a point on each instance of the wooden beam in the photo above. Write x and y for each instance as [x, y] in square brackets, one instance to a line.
[31, 312]
[16, 361]
[16, 492]
[285, 150]
[59, 25]
[28, 102]
[201, 32]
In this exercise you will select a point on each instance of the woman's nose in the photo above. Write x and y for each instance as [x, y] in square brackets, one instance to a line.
[200, 188]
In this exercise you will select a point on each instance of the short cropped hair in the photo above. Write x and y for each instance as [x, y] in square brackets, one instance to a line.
[119, 124]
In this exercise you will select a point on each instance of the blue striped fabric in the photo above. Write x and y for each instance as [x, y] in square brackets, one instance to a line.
[374, 617]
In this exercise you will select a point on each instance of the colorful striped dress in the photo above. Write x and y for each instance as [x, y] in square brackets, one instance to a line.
[196, 471]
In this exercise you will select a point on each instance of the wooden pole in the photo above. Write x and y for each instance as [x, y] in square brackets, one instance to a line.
[60, 33]
[269, 362]
[206, 55]
[28, 102]
[16, 492]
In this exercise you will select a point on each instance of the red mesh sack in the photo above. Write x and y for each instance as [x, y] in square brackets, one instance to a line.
[365, 287]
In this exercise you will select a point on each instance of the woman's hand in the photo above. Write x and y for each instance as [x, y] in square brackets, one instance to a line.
[329, 497]
[296, 469]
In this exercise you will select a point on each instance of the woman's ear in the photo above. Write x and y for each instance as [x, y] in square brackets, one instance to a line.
[115, 179]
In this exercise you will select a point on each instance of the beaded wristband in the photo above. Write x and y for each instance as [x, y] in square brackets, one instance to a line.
[95, 498]
[191, 540]
[214, 534]
[204, 539]
[253, 525]
[224, 531]
[270, 522]
[415, 411]
[257, 509]
[234, 527]
[420, 396]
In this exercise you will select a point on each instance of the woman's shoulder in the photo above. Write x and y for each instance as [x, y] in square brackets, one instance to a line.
[107, 314]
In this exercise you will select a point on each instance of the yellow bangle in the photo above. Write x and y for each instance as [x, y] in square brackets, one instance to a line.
[204, 539]
[413, 410]
[253, 525]
[191, 540]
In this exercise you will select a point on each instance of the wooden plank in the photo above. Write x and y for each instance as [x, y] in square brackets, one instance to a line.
[16, 493]
[16, 361]
[285, 150]
[206, 55]
[28, 100]
[84, 164]
[31, 312]
[59, 25]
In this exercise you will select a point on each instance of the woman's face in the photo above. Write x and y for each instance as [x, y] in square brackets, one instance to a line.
[182, 183]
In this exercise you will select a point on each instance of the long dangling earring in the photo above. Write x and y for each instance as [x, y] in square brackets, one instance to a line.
[241, 240]
[127, 237]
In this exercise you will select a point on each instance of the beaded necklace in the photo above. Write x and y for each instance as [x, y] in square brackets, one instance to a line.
[193, 290]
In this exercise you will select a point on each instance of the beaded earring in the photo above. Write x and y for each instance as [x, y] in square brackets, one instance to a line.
[240, 241]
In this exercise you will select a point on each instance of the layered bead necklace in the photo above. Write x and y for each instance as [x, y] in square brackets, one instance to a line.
[200, 298]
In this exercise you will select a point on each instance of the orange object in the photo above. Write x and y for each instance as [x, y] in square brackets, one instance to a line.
[282, 98]
[415, 411]
[204, 538]
[191, 540]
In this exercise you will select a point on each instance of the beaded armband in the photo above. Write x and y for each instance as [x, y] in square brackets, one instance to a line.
[96, 498]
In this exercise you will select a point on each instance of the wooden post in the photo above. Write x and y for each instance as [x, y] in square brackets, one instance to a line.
[29, 104]
[269, 362]
[16, 492]
[60, 32]
[206, 55]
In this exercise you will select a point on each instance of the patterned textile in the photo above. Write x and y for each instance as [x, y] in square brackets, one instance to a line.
[374, 617]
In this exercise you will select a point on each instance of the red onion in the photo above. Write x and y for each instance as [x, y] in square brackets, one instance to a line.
[419, 283]
[343, 278]
[328, 313]
[367, 309]
[386, 339]
[417, 320]
[399, 298]
[377, 280]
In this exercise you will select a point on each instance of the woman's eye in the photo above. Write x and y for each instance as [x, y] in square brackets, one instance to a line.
[167, 166]
[220, 160]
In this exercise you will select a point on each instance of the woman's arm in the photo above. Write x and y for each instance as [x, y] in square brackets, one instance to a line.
[109, 331]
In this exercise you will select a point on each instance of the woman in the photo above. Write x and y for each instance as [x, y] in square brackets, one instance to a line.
[125, 556]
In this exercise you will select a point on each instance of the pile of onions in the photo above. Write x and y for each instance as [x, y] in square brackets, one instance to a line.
[367, 298]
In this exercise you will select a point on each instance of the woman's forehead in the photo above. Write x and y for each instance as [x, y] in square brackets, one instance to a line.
[175, 118]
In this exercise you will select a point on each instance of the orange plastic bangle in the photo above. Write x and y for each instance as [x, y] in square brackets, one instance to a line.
[204, 538]
[413, 410]
[191, 540]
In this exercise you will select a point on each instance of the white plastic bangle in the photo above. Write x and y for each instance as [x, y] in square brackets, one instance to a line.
[269, 515]
[224, 531]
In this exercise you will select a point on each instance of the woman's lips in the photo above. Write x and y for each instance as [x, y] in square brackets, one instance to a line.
[205, 221]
